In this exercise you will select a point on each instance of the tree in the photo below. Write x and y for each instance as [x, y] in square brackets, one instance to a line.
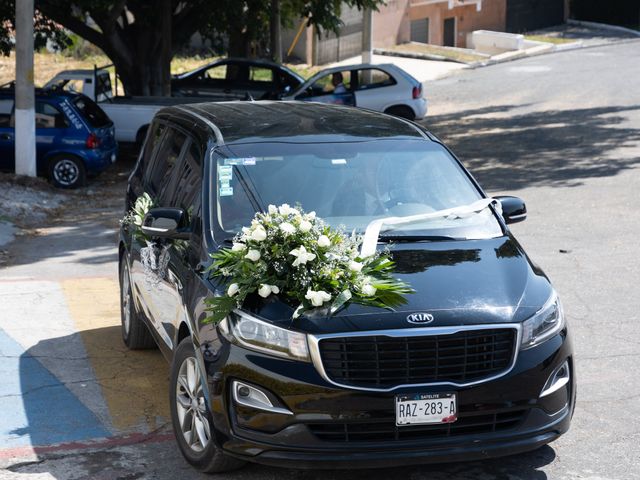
[142, 36]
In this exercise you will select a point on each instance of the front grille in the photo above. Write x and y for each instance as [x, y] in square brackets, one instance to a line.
[372, 430]
[385, 362]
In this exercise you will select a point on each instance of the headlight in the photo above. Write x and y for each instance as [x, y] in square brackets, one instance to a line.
[255, 334]
[546, 323]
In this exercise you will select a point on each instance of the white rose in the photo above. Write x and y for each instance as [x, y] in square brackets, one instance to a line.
[323, 241]
[368, 290]
[253, 255]
[305, 226]
[310, 215]
[265, 290]
[259, 234]
[285, 209]
[355, 266]
[287, 228]
[302, 256]
[317, 298]
[233, 289]
[238, 247]
[272, 209]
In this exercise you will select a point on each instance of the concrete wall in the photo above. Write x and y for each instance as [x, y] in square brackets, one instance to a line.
[391, 24]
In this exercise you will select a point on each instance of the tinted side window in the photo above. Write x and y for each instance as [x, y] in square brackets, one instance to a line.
[189, 185]
[260, 74]
[6, 106]
[48, 116]
[219, 72]
[373, 78]
[162, 170]
[153, 140]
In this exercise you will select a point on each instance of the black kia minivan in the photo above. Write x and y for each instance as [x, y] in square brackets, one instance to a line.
[477, 364]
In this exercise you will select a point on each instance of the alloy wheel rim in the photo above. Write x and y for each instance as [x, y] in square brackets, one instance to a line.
[190, 406]
[66, 172]
[126, 301]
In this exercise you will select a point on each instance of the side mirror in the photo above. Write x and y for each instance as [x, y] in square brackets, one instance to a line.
[166, 223]
[514, 209]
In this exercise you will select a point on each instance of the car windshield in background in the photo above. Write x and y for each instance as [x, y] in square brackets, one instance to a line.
[349, 185]
[91, 112]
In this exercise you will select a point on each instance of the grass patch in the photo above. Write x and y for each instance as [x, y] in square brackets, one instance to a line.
[48, 64]
[458, 54]
[549, 39]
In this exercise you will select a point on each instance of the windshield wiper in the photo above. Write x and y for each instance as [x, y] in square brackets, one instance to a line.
[415, 238]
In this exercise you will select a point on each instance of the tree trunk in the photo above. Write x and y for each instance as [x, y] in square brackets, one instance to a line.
[275, 43]
[239, 45]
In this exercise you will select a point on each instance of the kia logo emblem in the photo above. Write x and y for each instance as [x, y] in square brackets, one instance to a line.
[420, 317]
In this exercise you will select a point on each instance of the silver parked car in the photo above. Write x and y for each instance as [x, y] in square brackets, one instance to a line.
[385, 88]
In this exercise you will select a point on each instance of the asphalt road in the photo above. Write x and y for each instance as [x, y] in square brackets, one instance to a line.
[560, 130]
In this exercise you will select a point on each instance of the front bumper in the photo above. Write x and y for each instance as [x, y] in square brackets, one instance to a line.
[332, 427]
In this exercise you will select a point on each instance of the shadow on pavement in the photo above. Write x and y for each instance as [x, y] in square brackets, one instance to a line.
[88, 386]
[558, 148]
[125, 392]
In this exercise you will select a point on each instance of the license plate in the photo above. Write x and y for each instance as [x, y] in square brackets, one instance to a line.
[423, 408]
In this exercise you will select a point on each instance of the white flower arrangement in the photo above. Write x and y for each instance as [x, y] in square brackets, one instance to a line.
[308, 264]
[135, 216]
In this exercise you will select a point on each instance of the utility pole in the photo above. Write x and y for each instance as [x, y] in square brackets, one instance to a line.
[367, 35]
[25, 116]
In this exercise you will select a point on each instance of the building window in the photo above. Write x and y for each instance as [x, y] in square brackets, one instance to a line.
[420, 30]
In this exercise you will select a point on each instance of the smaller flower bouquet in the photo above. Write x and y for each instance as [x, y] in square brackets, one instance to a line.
[296, 256]
[134, 217]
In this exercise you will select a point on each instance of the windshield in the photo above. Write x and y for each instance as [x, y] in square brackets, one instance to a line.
[348, 185]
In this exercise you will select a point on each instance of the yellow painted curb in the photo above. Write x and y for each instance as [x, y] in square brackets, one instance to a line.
[134, 383]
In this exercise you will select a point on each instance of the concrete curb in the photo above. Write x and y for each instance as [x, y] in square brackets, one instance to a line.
[540, 49]
[604, 26]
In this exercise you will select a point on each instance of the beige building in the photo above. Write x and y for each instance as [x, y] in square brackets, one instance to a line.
[439, 22]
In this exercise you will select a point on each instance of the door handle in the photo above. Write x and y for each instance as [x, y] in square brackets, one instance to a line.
[6, 136]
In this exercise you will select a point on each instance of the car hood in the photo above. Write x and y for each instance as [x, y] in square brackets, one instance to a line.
[458, 282]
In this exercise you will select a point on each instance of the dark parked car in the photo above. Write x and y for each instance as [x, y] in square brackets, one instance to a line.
[237, 79]
[482, 344]
[74, 137]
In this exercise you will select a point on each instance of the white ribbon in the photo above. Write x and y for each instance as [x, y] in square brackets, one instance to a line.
[371, 234]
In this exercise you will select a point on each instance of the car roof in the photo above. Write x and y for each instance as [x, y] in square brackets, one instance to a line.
[247, 61]
[42, 93]
[342, 68]
[293, 122]
[388, 67]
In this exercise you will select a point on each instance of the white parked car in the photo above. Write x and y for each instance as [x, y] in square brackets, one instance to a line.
[385, 88]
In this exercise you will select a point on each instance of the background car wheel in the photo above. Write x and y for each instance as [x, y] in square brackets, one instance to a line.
[135, 333]
[401, 111]
[190, 415]
[67, 171]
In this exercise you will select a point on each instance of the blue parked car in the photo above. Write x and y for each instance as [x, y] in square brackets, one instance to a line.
[74, 137]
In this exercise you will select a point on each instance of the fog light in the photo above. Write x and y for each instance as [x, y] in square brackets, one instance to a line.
[558, 379]
[253, 397]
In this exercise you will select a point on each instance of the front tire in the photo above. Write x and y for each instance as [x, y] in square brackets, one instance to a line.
[67, 171]
[190, 414]
[135, 333]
